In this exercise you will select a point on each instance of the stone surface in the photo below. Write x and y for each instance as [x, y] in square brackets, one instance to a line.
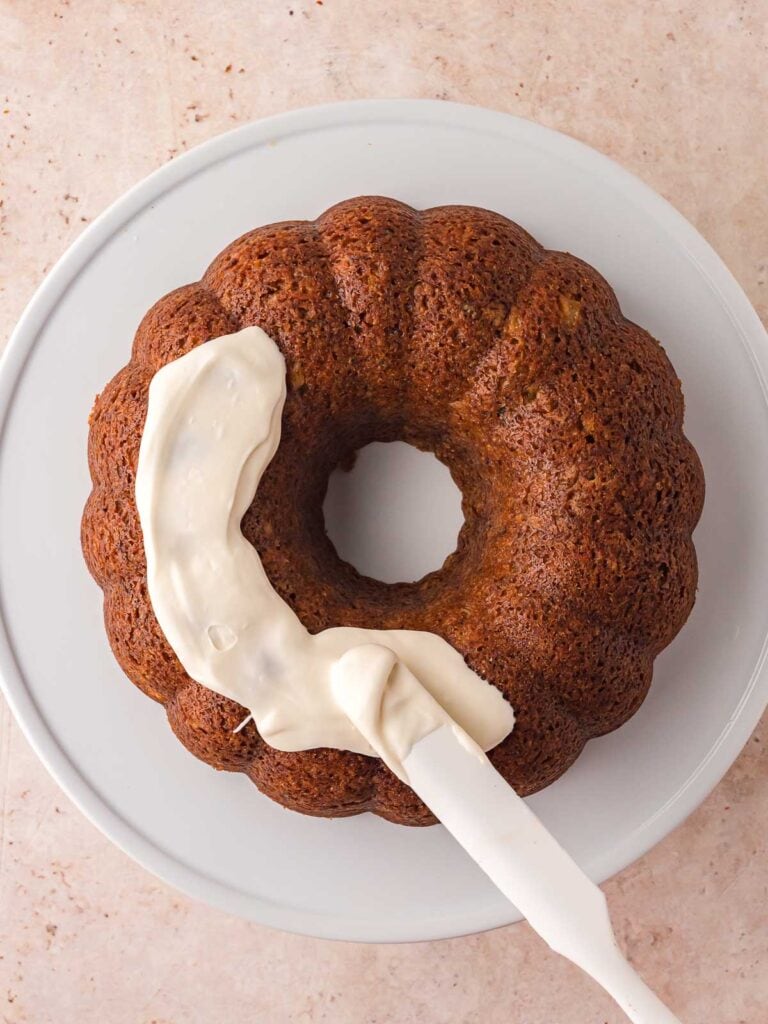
[95, 95]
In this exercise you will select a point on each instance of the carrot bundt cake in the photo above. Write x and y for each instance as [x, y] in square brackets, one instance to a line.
[453, 330]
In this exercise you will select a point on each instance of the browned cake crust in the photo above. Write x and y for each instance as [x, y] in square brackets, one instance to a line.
[561, 422]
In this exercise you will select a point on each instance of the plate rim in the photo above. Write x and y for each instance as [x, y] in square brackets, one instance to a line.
[747, 325]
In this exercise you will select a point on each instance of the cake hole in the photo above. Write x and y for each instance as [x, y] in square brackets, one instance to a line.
[396, 514]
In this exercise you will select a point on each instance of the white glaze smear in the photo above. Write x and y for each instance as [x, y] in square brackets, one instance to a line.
[212, 427]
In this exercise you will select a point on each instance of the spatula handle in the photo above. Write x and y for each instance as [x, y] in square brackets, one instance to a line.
[500, 832]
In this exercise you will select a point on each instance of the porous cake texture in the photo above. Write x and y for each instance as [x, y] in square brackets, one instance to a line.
[561, 422]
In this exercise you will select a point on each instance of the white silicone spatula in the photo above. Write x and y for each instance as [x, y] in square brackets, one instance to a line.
[499, 831]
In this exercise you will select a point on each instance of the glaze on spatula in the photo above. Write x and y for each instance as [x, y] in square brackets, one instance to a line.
[455, 779]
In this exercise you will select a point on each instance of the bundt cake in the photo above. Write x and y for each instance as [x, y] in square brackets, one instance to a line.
[560, 421]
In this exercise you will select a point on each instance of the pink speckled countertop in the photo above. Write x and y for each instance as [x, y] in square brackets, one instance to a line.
[94, 96]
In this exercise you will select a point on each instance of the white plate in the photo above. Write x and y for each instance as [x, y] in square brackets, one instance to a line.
[110, 748]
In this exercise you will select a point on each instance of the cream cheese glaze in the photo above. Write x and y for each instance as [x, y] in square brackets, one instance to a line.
[212, 427]
[388, 706]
